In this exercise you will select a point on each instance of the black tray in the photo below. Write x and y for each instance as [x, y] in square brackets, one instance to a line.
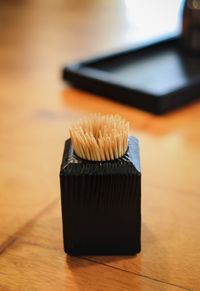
[157, 78]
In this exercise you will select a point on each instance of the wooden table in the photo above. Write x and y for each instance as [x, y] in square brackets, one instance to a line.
[36, 109]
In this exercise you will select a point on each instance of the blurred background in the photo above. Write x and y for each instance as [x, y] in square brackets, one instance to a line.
[37, 39]
[53, 33]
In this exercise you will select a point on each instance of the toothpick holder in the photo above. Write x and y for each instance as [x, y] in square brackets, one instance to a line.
[101, 203]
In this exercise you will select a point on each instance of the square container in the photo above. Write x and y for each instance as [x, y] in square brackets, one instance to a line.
[101, 203]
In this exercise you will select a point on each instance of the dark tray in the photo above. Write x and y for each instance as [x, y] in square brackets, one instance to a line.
[157, 78]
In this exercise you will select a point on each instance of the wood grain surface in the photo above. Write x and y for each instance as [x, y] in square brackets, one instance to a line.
[36, 109]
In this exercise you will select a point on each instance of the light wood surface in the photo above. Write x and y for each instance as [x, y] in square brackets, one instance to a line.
[36, 39]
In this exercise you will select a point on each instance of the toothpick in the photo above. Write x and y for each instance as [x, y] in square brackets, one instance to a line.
[100, 137]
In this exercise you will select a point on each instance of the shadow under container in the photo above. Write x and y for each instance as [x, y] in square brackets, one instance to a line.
[101, 203]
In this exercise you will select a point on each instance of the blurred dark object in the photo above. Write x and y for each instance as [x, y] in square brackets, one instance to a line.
[158, 76]
[191, 26]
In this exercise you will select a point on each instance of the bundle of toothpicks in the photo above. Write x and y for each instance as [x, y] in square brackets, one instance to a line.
[100, 137]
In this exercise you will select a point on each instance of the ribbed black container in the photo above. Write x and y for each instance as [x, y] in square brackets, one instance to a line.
[101, 203]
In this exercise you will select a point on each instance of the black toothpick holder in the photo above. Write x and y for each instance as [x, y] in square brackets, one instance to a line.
[101, 203]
